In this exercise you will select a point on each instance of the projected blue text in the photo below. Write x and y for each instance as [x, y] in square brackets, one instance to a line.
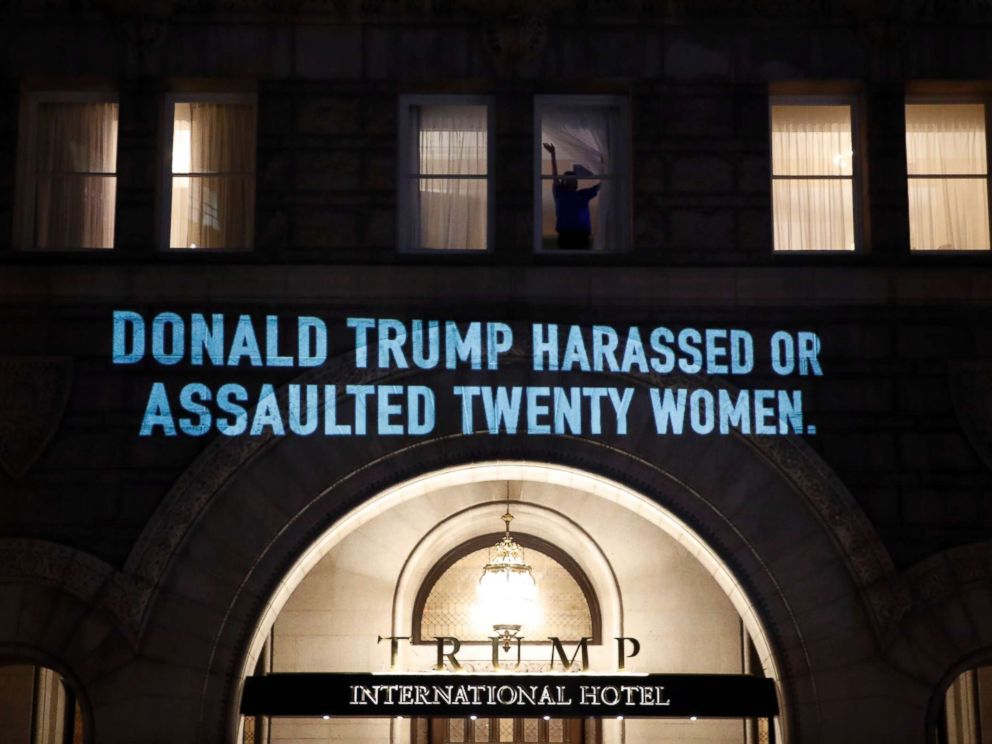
[619, 375]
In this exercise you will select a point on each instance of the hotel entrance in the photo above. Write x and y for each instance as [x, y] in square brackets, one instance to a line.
[545, 579]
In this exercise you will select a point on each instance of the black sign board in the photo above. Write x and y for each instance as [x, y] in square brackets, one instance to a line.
[510, 695]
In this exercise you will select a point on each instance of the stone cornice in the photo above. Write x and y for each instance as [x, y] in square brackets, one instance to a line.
[634, 9]
[415, 286]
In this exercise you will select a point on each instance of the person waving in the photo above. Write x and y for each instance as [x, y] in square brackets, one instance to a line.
[573, 222]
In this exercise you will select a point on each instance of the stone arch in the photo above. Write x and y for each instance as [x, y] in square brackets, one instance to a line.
[64, 609]
[981, 657]
[942, 631]
[14, 654]
[593, 564]
[555, 527]
[565, 578]
[232, 531]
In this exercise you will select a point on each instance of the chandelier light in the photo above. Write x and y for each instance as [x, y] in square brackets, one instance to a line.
[507, 589]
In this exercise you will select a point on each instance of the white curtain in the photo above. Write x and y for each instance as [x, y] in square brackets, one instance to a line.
[810, 213]
[75, 175]
[213, 148]
[449, 176]
[947, 213]
[961, 710]
[49, 708]
[585, 137]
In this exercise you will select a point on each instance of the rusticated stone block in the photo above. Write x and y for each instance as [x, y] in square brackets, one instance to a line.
[329, 115]
[322, 170]
[697, 116]
[326, 227]
[939, 450]
[274, 169]
[702, 229]
[695, 60]
[649, 173]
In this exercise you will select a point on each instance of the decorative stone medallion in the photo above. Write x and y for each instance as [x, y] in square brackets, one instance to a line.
[33, 395]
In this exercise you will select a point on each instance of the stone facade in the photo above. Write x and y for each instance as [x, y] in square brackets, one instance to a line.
[141, 568]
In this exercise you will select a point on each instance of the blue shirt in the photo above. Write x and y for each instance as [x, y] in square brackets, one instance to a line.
[572, 207]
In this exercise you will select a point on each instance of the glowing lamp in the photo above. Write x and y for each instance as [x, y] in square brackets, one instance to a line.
[507, 590]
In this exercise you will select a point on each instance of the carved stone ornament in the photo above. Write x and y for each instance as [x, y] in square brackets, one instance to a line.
[943, 576]
[143, 24]
[884, 22]
[74, 572]
[33, 395]
[971, 393]
[515, 32]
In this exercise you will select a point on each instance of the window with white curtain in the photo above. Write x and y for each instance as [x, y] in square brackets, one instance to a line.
[813, 175]
[445, 195]
[948, 178]
[211, 187]
[69, 172]
[585, 206]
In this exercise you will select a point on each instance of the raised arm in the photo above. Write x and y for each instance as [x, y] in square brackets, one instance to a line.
[554, 161]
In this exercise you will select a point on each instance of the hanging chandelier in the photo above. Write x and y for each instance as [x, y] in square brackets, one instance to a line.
[507, 589]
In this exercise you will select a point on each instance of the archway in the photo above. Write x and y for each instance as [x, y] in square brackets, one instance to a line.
[553, 487]
[242, 523]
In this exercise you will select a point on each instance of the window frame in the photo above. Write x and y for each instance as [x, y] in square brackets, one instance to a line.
[858, 144]
[165, 167]
[25, 199]
[404, 242]
[623, 178]
[935, 98]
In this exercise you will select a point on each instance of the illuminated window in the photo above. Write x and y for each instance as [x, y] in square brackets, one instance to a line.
[447, 603]
[581, 178]
[211, 187]
[813, 175]
[967, 711]
[947, 165]
[37, 705]
[69, 172]
[445, 195]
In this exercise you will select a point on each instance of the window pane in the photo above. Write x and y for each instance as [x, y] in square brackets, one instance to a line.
[452, 604]
[211, 211]
[948, 214]
[813, 215]
[447, 209]
[452, 213]
[74, 207]
[456, 730]
[451, 140]
[531, 730]
[588, 142]
[506, 729]
[213, 138]
[945, 139]
[75, 211]
[556, 731]
[571, 211]
[967, 704]
[584, 138]
[812, 141]
[481, 730]
[76, 137]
